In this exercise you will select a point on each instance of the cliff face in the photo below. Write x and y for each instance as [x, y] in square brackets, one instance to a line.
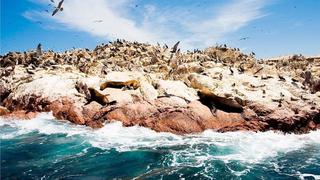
[161, 88]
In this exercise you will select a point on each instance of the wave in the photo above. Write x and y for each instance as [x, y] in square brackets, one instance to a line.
[196, 149]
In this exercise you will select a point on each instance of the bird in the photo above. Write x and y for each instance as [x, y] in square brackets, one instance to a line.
[39, 51]
[175, 47]
[294, 80]
[98, 21]
[52, 1]
[281, 78]
[244, 38]
[231, 70]
[58, 8]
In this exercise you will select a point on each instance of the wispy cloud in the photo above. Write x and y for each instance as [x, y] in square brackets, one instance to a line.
[117, 19]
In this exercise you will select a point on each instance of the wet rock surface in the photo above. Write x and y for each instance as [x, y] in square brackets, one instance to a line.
[218, 88]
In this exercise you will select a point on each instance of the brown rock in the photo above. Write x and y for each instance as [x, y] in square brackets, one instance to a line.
[4, 111]
[66, 109]
[21, 114]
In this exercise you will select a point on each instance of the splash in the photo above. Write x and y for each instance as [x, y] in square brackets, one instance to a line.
[188, 150]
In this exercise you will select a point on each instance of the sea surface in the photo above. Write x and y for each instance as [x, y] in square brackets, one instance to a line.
[46, 148]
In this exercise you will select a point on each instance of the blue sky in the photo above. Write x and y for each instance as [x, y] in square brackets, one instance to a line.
[274, 27]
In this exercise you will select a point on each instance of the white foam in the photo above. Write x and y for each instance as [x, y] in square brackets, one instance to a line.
[304, 175]
[193, 150]
[44, 123]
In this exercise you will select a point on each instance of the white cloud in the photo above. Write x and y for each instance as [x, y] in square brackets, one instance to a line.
[154, 24]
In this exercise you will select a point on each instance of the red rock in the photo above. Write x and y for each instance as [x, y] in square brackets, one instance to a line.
[65, 109]
[21, 114]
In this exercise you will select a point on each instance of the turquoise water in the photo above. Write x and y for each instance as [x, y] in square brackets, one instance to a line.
[44, 148]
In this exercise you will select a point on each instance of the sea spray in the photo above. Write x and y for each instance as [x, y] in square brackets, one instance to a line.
[239, 153]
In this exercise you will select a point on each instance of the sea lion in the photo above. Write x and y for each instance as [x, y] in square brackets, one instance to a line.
[134, 84]
[213, 101]
[98, 97]
[83, 89]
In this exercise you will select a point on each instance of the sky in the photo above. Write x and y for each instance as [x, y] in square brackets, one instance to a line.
[267, 27]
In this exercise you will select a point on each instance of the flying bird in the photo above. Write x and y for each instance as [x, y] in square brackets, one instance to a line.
[58, 8]
[98, 21]
[52, 1]
[244, 38]
[175, 47]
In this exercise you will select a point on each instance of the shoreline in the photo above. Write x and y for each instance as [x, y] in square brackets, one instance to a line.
[218, 88]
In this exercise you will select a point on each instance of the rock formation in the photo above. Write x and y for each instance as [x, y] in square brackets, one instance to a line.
[217, 88]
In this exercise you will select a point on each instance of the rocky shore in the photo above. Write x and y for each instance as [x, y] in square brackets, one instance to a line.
[161, 88]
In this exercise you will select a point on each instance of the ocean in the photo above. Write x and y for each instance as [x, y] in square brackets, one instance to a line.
[46, 148]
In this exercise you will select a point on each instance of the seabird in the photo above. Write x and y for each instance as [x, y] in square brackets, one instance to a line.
[58, 8]
[281, 78]
[39, 51]
[242, 39]
[294, 80]
[175, 47]
[231, 70]
[98, 21]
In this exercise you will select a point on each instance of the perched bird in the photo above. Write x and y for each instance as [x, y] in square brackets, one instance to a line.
[294, 80]
[281, 78]
[58, 8]
[39, 50]
[231, 70]
[175, 47]
[241, 68]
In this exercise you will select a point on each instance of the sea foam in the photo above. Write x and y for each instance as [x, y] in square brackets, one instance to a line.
[196, 149]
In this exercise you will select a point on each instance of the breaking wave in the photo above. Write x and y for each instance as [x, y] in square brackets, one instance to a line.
[195, 150]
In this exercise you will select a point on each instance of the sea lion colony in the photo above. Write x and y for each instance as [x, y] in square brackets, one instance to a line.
[120, 75]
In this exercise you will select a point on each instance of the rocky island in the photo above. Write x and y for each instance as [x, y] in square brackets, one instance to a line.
[161, 88]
